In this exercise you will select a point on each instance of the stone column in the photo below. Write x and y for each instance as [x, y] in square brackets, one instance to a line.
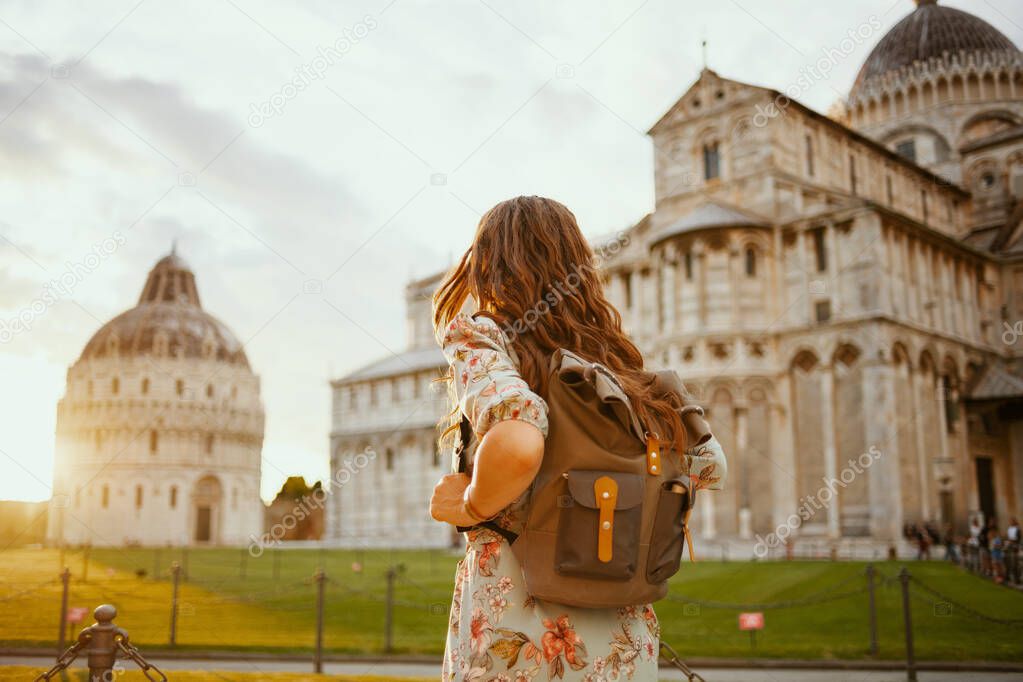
[700, 281]
[635, 309]
[742, 454]
[830, 451]
[804, 265]
[884, 481]
[783, 483]
[916, 385]
[668, 292]
[834, 287]
[733, 283]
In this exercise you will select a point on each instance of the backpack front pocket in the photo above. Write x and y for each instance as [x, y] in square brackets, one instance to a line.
[668, 535]
[599, 524]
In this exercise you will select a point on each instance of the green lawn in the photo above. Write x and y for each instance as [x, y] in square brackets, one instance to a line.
[229, 603]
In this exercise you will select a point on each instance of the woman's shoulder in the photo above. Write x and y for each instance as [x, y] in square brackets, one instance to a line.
[468, 332]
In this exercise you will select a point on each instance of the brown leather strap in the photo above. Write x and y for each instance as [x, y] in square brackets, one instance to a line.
[605, 490]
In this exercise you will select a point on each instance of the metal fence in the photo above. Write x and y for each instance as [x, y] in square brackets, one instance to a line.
[104, 643]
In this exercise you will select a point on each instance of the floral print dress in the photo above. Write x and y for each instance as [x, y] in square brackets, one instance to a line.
[496, 631]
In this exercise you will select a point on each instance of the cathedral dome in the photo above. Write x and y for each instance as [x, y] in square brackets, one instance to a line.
[169, 321]
[931, 32]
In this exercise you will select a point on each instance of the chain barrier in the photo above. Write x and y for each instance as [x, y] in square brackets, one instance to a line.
[152, 673]
[66, 658]
[822, 596]
[30, 590]
[672, 657]
[1011, 622]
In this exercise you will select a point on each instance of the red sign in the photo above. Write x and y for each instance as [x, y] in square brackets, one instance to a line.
[76, 614]
[751, 621]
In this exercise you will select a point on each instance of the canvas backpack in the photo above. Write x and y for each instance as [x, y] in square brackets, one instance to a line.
[606, 516]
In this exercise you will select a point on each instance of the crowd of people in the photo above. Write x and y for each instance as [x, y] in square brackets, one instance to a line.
[987, 550]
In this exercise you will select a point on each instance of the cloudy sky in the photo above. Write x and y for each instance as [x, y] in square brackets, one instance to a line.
[154, 121]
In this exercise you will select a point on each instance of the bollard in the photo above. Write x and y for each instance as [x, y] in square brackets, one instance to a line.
[872, 603]
[65, 578]
[102, 642]
[907, 621]
[176, 574]
[321, 579]
[102, 647]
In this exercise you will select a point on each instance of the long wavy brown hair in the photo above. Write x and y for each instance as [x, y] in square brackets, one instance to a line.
[531, 269]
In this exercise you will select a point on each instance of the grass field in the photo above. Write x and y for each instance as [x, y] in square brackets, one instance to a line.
[269, 604]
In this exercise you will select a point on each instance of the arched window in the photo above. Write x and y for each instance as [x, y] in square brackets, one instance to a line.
[145, 386]
[138, 497]
[115, 385]
[209, 443]
[173, 497]
[179, 387]
[389, 457]
[105, 496]
[711, 161]
[751, 262]
[154, 442]
[209, 390]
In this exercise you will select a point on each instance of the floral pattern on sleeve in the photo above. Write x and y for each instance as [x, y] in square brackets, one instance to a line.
[487, 383]
[708, 468]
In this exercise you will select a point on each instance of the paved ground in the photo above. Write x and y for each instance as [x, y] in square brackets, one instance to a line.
[425, 670]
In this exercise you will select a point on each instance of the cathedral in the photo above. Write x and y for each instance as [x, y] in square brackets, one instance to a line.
[843, 293]
[160, 430]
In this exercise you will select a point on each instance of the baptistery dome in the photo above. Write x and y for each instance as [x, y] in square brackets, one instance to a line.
[168, 320]
[160, 430]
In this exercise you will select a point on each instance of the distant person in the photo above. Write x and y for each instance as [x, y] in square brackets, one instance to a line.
[923, 542]
[997, 548]
[1012, 549]
[951, 547]
[973, 543]
[984, 543]
[530, 273]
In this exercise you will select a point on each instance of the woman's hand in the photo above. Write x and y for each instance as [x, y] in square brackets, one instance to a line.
[446, 504]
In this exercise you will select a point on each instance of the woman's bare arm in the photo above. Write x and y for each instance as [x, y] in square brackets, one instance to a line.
[507, 460]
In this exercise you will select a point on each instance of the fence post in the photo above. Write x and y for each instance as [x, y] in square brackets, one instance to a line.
[65, 578]
[321, 579]
[85, 562]
[176, 575]
[392, 573]
[907, 620]
[872, 599]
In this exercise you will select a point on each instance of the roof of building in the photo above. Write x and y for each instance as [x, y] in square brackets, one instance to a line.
[997, 381]
[414, 360]
[707, 215]
[931, 31]
[169, 309]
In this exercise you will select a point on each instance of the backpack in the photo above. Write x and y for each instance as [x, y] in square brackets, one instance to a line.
[606, 515]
